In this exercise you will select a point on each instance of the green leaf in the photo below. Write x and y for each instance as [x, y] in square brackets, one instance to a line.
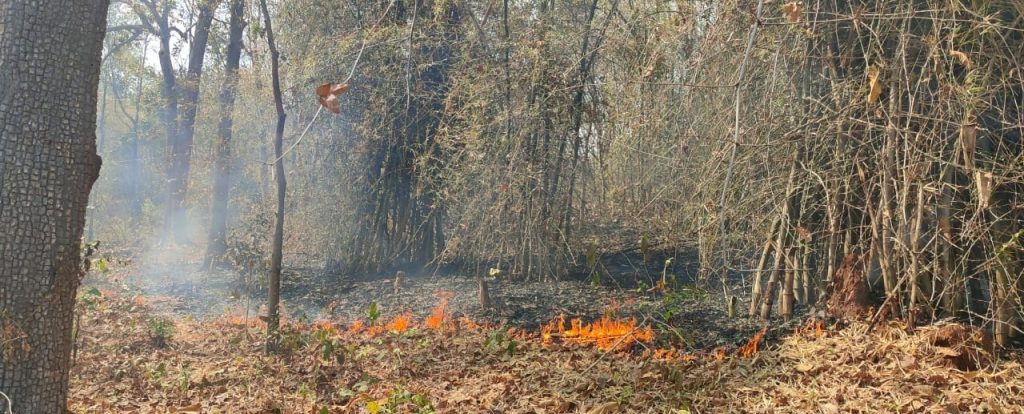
[374, 313]
[101, 265]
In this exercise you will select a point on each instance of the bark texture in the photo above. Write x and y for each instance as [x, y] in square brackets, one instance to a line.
[49, 73]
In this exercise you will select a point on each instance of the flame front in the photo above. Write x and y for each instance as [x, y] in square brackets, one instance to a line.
[605, 333]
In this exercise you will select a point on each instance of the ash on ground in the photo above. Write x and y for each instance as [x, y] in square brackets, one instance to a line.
[685, 315]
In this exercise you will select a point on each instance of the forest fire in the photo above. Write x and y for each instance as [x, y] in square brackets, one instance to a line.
[750, 348]
[400, 323]
[439, 317]
[605, 333]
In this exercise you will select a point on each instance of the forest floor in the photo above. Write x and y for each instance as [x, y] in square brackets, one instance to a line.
[148, 342]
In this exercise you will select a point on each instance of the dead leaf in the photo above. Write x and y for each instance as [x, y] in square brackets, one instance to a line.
[925, 390]
[984, 183]
[606, 408]
[328, 94]
[962, 57]
[323, 90]
[556, 404]
[803, 233]
[874, 84]
[792, 11]
[804, 367]
[331, 103]
[969, 142]
[194, 408]
[339, 89]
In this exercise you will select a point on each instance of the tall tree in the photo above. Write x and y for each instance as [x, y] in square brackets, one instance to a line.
[180, 98]
[49, 74]
[181, 147]
[216, 245]
[274, 294]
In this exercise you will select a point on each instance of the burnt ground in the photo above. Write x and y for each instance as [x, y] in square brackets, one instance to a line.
[174, 283]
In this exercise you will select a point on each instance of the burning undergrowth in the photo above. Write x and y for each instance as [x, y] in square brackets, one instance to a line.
[449, 364]
[607, 333]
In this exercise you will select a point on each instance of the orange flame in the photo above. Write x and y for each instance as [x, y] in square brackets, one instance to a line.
[813, 328]
[356, 327]
[439, 317]
[238, 320]
[400, 323]
[605, 333]
[325, 325]
[748, 350]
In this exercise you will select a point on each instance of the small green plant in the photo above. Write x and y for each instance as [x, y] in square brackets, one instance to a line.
[160, 331]
[101, 264]
[329, 347]
[374, 314]
[184, 377]
[501, 340]
[400, 397]
[90, 298]
[292, 338]
[625, 394]
[305, 391]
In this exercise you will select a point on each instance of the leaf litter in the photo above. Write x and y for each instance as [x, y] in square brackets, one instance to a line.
[438, 363]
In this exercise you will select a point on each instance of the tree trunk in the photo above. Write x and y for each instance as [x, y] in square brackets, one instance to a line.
[49, 75]
[169, 117]
[181, 148]
[216, 243]
[274, 294]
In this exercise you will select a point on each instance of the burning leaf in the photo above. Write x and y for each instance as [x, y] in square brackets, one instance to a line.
[792, 11]
[748, 350]
[874, 84]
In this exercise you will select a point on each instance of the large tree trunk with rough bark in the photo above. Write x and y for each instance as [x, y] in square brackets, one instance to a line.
[49, 73]
[216, 244]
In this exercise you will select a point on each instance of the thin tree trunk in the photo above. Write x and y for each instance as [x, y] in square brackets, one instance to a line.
[216, 242]
[274, 293]
[48, 164]
[787, 293]
[780, 242]
[169, 117]
[135, 197]
[756, 289]
[915, 254]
